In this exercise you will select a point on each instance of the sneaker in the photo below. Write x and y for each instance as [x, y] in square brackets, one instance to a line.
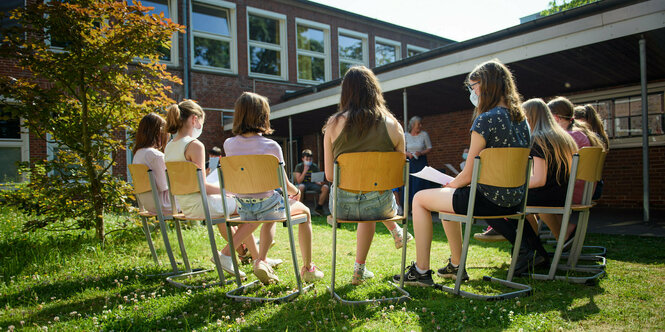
[360, 275]
[528, 261]
[274, 262]
[265, 273]
[397, 236]
[414, 278]
[227, 265]
[245, 259]
[489, 235]
[451, 272]
[312, 274]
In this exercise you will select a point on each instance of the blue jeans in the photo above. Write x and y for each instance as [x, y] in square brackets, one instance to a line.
[371, 205]
[269, 209]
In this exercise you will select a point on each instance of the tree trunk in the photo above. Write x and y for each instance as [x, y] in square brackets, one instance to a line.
[94, 179]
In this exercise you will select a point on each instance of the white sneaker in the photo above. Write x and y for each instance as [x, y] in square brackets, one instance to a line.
[265, 273]
[274, 262]
[227, 264]
[360, 275]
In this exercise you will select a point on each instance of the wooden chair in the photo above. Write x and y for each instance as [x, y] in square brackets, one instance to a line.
[585, 167]
[498, 167]
[251, 174]
[365, 172]
[143, 181]
[186, 178]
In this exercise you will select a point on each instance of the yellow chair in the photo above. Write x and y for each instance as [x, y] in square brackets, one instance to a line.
[143, 181]
[585, 166]
[185, 178]
[250, 174]
[498, 167]
[365, 172]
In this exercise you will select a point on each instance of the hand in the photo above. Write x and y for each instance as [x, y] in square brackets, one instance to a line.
[409, 155]
[417, 154]
[305, 168]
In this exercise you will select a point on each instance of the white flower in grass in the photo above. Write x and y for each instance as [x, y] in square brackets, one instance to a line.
[56, 319]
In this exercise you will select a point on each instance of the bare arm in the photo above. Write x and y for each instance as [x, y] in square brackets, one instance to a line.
[464, 177]
[328, 161]
[539, 174]
[195, 153]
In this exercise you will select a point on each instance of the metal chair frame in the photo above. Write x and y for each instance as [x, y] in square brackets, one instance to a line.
[486, 162]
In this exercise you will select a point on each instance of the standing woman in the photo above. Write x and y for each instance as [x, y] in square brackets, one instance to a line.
[148, 150]
[361, 124]
[418, 145]
[498, 121]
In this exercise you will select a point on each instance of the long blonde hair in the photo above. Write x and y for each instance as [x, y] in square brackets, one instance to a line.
[558, 147]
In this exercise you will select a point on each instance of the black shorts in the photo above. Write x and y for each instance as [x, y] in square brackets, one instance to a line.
[483, 207]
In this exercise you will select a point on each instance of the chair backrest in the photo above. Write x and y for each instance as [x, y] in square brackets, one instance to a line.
[601, 164]
[182, 177]
[503, 167]
[587, 168]
[250, 174]
[140, 178]
[371, 171]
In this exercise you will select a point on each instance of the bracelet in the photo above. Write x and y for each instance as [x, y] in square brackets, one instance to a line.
[298, 192]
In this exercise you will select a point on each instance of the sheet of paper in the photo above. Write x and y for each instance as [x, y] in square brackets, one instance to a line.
[212, 164]
[212, 177]
[318, 176]
[431, 174]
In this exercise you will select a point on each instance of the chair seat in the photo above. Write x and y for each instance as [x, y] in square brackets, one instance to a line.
[395, 218]
[462, 217]
[558, 209]
[145, 213]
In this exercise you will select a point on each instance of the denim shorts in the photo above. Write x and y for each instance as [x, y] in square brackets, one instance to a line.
[270, 209]
[371, 205]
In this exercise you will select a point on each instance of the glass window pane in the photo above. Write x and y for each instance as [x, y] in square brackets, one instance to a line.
[311, 39]
[344, 67]
[655, 124]
[635, 106]
[385, 54]
[656, 104]
[264, 29]
[621, 107]
[603, 109]
[9, 157]
[635, 126]
[210, 19]
[350, 48]
[621, 127]
[10, 127]
[212, 52]
[160, 6]
[311, 68]
[265, 61]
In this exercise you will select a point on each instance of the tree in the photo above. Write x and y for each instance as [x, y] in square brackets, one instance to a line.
[86, 93]
[554, 8]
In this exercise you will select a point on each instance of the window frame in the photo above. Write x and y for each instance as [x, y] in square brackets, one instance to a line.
[326, 55]
[232, 39]
[23, 143]
[388, 42]
[415, 48]
[620, 93]
[283, 46]
[365, 46]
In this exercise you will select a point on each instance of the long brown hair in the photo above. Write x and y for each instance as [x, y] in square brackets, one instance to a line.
[150, 133]
[557, 146]
[362, 100]
[177, 114]
[563, 108]
[251, 115]
[590, 116]
[496, 83]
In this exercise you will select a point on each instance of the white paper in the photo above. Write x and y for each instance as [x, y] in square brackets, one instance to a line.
[431, 174]
[212, 177]
[318, 177]
[213, 162]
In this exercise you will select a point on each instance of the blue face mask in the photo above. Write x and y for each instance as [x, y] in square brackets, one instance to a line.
[308, 163]
[464, 155]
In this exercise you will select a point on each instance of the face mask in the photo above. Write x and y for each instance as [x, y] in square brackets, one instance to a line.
[464, 155]
[308, 163]
[196, 132]
[474, 98]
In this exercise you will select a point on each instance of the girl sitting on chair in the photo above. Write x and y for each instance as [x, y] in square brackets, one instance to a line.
[185, 120]
[251, 120]
[362, 124]
[498, 121]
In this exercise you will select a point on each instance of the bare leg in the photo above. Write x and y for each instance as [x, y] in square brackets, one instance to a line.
[425, 201]
[531, 218]
[304, 232]
[390, 225]
[241, 234]
[364, 238]
[301, 187]
[325, 190]
[553, 222]
[267, 235]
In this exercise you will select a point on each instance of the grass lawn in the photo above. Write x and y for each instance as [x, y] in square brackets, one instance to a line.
[65, 281]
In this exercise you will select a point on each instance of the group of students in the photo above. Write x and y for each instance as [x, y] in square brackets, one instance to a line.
[363, 123]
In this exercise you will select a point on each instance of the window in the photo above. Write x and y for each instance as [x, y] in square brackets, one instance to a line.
[313, 49]
[213, 36]
[386, 51]
[266, 44]
[6, 6]
[352, 50]
[622, 117]
[13, 147]
[412, 50]
[170, 10]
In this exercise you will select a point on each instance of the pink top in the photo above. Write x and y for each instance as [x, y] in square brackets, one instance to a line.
[582, 140]
[154, 159]
[240, 145]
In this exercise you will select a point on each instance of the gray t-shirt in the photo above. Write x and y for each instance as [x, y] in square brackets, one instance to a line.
[417, 143]
[500, 131]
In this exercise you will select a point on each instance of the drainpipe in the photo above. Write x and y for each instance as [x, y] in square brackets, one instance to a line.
[405, 110]
[645, 130]
[185, 49]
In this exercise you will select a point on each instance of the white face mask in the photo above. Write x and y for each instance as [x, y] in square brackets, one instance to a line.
[464, 155]
[474, 98]
[308, 163]
[196, 132]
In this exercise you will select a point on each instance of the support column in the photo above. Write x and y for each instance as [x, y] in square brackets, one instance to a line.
[406, 113]
[645, 130]
[290, 146]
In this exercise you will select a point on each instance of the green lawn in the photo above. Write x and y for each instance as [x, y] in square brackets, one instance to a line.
[65, 280]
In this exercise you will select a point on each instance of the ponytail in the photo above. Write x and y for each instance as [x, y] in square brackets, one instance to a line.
[173, 121]
[177, 114]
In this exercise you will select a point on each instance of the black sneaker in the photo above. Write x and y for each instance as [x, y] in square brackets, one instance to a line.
[451, 272]
[413, 278]
[319, 210]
